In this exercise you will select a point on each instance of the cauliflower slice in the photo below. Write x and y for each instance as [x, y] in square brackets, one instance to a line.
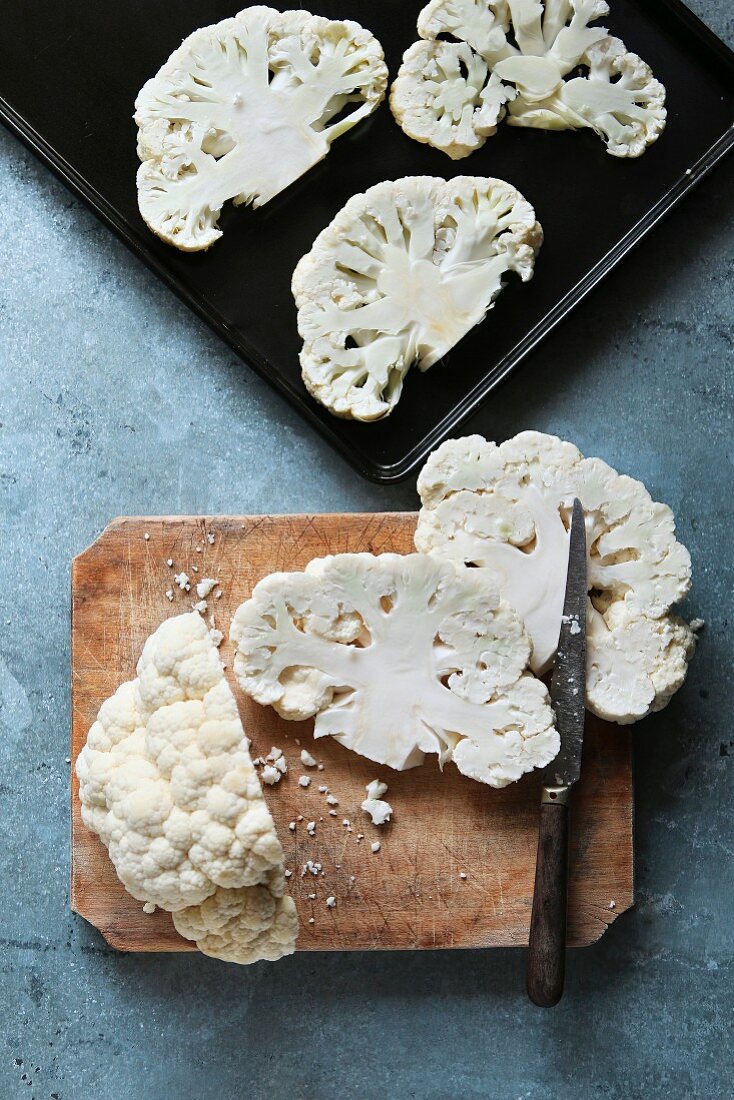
[506, 510]
[396, 657]
[242, 109]
[518, 57]
[166, 781]
[401, 274]
[445, 97]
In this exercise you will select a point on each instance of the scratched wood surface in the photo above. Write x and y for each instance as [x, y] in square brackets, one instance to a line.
[408, 895]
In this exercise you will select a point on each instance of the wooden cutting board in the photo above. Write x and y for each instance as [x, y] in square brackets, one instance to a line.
[408, 895]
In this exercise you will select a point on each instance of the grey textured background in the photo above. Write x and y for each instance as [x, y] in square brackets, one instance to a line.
[114, 399]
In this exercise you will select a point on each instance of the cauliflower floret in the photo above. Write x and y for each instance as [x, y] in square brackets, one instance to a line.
[166, 781]
[506, 511]
[243, 925]
[515, 56]
[433, 662]
[242, 109]
[401, 274]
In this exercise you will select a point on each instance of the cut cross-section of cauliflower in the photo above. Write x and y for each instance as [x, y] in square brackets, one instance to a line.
[401, 274]
[242, 109]
[506, 511]
[166, 781]
[396, 657]
[444, 96]
[541, 64]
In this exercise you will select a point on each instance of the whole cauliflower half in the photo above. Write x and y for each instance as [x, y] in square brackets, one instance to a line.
[398, 277]
[395, 657]
[242, 109]
[523, 58]
[506, 510]
[166, 781]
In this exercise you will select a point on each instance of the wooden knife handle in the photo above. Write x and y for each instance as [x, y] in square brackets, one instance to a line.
[546, 962]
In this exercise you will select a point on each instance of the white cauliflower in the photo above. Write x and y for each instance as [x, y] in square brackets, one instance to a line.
[403, 272]
[396, 657]
[541, 64]
[506, 510]
[444, 96]
[166, 781]
[242, 109]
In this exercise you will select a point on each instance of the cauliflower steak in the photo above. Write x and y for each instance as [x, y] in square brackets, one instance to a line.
[396, 657]
[242, 109]
[506, 511]
[166, 781]
[401, 274]
[541, 64]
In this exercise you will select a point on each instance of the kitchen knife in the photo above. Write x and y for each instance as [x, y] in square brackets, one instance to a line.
[547, 944]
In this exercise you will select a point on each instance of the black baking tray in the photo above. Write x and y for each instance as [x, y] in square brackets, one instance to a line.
[69, 73]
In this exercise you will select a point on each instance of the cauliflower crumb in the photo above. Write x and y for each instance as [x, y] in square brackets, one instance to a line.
[307, 760]
[375, 846]
[210, 539]
[311, 920]
[462, 874]
[146, 536]
[287, 873]
[612, 905]
[292, 826]
[218, 594]
[201, 607]
[270, 775]
[149, 907]
[331, 902]
[332, 800]
[182, 580]
[575, 627]
[205, 587]
[304, 781]
[312, 897]
[332, 813]
[696, 625]
[217, 637]
[281, 765]
[379, 811]
[169, 594]
[274, 753]
[169, 562]
[320, 767]
[323, 789]
[311, 828]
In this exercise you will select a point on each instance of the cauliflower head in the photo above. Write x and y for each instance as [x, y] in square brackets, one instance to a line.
[398, 277]
[242, 109]
[541, 64]
[396, 657]
[166, 781]
[506, 510]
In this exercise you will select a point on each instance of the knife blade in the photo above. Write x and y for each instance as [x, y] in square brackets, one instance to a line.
[547, 941]
[568, 683]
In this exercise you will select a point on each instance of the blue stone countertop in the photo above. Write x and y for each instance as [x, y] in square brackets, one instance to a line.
[641, 375]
